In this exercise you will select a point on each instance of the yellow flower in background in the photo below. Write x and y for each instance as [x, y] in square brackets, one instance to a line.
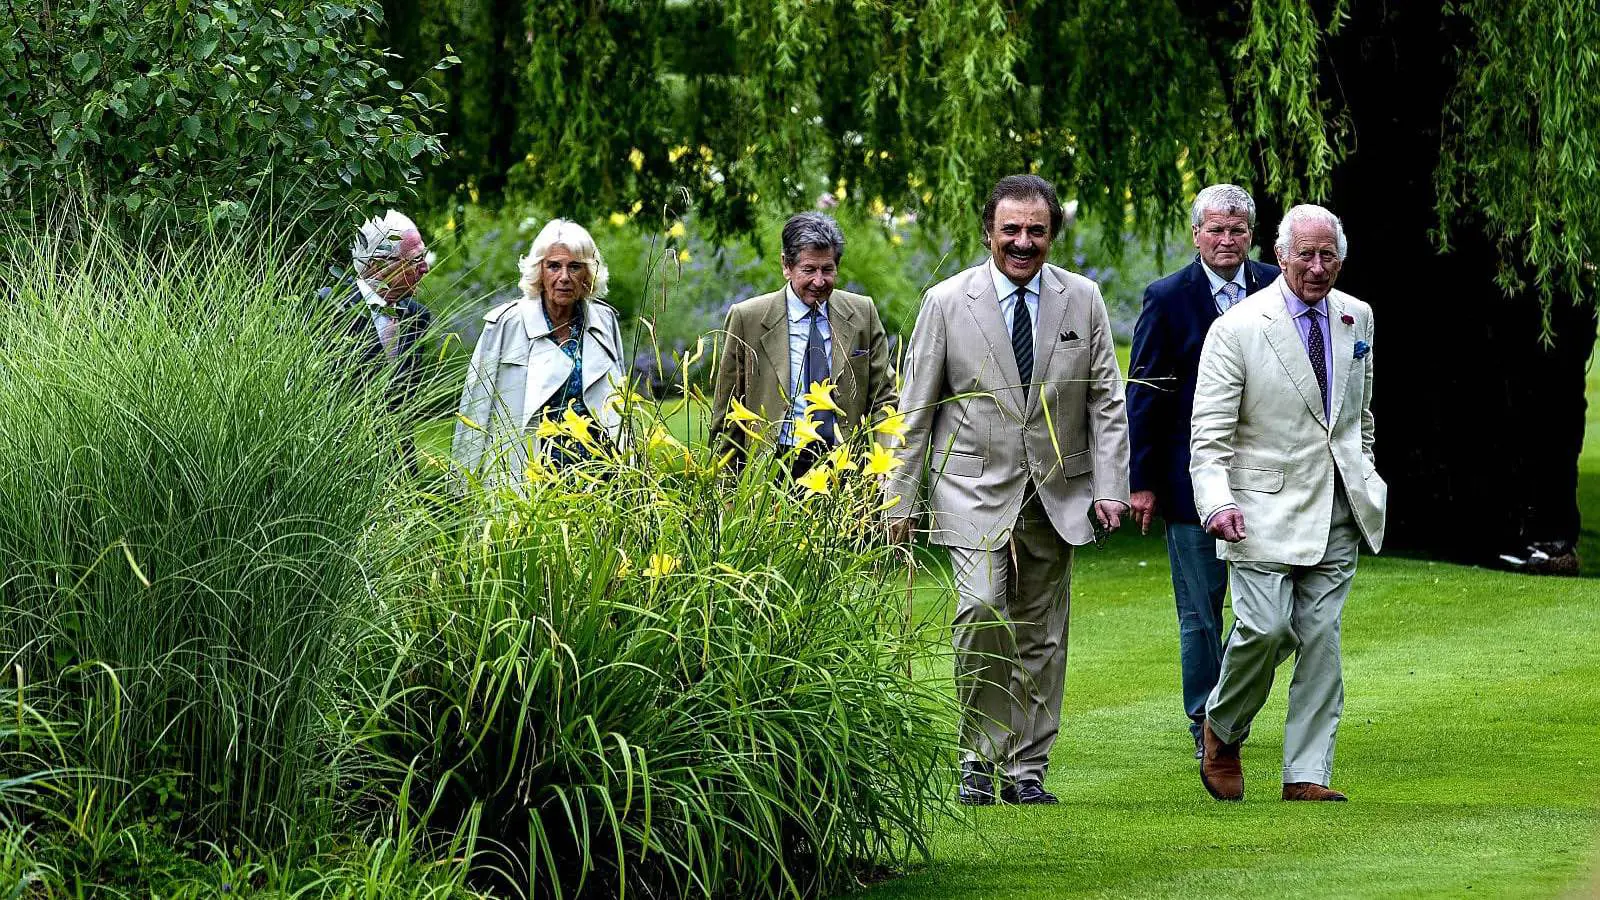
[880, 461]
[705, 153]
[636, 156]
[625, 396]
[877, 207]
[661, 564]
[739, 414]
[842, 189]
[892, 424]
[624, 568]
[677, 230]
[839, 459]
[548, 428]
[634, 209]
[896, 239]
[815, 481]
[450, 223]
[676, 153]
[684, 255]
[619, 219]
[578, 426]
[805, 432]
[820, 397]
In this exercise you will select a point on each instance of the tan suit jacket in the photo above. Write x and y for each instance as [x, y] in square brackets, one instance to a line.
[972, 439]
[1260, 440]
[753, 363]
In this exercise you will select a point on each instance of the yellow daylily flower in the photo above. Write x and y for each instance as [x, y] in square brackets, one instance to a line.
[741, 416]
[880, 461]
[676, 153]
[805, 432]
[536, 472]
[624, 568]
[840, 459]
[634, 209]
[820, 397]
[636, 157]
[619, 219]
[578, 427]
[661, 564]
[548, 428]
[660, 437]
[684, 255]
[815, 481]
[677, 230]
[892, 424]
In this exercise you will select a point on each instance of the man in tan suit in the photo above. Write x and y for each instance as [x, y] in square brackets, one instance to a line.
[778, 344]
[1281, 457]
[1016, 428]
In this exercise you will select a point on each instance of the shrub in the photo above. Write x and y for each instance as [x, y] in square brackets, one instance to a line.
[657, 674]
[187, 489]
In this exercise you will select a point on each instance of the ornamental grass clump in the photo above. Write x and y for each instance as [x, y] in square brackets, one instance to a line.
[188, 480]
[661, 673]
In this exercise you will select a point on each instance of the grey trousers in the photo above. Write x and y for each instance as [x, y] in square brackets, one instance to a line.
[1010, 637]
[1279, 610]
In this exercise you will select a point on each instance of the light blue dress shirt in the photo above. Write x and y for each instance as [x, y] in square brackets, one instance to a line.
[1218, 283]
[799, 335]
[1006, 290]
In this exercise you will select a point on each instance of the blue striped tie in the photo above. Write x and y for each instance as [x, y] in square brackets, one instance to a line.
[1022, 340]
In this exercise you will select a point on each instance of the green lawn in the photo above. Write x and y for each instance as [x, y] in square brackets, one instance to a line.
[1470, 748]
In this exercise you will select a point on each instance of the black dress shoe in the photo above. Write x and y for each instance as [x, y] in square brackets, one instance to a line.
[977, 784]
[1027, 792]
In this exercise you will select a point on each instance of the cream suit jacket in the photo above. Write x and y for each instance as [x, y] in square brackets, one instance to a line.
[1259, 438]
[972, 440]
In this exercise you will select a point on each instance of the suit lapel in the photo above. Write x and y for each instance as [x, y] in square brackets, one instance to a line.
[1205, 302]
[842, 327]
[1343, 339]
[1052, 312]
[775, 342]
[1285, 340]
[984, 307]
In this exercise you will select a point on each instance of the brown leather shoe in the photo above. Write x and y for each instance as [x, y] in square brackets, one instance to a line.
[1305, 790]
[1220, 770]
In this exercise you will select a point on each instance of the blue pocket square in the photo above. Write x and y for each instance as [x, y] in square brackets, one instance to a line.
[856, 353]
[1362, 349]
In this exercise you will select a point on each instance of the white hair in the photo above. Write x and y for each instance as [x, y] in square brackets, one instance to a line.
[1306, 214]
[578, 242]
[1228, 199]
[378, 238]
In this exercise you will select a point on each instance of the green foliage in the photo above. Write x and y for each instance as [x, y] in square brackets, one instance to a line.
[1523, 154]
[657, 675]
[185, 516]
[191, 112]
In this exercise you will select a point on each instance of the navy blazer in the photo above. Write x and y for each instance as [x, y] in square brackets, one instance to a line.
[1178, 311]
[361, 337]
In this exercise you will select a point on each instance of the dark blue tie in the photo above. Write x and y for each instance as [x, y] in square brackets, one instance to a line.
[1022, 340]
[1317, 350]
[816, 370]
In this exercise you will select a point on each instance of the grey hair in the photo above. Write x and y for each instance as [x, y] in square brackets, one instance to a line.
[1305, 214]
[378, 237]
[1228, 199]
[811, 231]
[579, 243]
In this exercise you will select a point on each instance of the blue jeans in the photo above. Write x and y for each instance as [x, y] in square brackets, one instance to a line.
[1199, 581]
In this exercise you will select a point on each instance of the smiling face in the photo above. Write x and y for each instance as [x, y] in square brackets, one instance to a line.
[1222, 239]
[812, 275]
[1312, 264]
[1020, 238]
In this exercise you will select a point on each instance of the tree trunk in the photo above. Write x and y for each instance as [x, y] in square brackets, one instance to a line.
[1479, 424]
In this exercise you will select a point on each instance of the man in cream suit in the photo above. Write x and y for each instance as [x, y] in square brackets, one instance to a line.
[1281, 458]
[776, 345]
[1016, 430]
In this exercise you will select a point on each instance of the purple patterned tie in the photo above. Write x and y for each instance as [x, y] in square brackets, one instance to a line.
[1318, 352]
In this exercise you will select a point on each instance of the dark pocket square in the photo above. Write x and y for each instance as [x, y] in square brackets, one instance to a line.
[856, 353]
[1069, 335]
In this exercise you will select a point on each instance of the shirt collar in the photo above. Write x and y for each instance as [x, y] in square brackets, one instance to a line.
[544, 318]
[1217, 281]
[1298, 307]
[371, 295]
[798, 307]
[1005, 287]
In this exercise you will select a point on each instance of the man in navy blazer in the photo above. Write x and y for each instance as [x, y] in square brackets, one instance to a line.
[1178, 311]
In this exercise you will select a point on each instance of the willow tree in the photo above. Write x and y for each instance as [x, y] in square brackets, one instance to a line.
[1456, 138]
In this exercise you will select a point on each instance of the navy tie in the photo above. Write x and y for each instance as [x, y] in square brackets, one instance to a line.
[1022, 340]
[816, 370]
[1317, 350]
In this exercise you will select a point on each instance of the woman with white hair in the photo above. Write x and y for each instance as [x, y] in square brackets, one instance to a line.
[551, 355]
